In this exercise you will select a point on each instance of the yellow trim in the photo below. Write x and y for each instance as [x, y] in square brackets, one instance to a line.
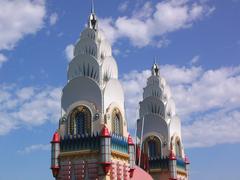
[119, 154]
[182, 173]
[80, 153]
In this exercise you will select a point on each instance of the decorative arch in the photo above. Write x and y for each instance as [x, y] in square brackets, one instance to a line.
[80, 120]
[117, 122]
[178, 147]
[152, 146]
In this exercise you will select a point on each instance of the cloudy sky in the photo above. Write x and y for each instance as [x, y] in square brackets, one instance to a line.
[196, 43]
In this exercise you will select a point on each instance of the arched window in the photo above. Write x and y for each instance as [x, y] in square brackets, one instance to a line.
[116, 122]
[152, 147]
[178, 148]
[80, 121]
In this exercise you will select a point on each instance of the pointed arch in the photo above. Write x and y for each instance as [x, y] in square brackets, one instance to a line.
[178, 148]
[152, 146]
[80, 121]
[117, 127]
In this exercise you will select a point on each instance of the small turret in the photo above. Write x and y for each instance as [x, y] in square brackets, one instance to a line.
[55, 154]
[105, 148]
[187, 162]
[131, 155]
[172, 165]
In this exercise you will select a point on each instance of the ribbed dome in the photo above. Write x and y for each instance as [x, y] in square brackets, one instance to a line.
[157, 96]
[93, 57]
[109, 69]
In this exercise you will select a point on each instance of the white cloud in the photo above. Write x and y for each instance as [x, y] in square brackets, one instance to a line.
[28, 106]
[116, 52]
[19, 18]
[107, 26]
[2, 59]
[53, 19]
[194, 60]
[133, 84]
[123, 7]
[149, 23]
[207, 101]
[213, 128]
[35, 147]
[69, 52]
[145, 12]
[181, 75]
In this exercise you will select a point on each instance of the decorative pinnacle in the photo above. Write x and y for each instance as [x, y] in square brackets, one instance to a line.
[92, 8]
[155, 68]
[56, 138]
[92, 20]
[155, 60]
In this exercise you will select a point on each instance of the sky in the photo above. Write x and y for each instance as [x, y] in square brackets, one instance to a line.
[196, 43]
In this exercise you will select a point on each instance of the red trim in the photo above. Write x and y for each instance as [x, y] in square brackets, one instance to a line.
[105, 132]
[55, 170]
[106, 167]
[186, 160]
[172, 155]
[131, 171]
[130, 141]
[56, 138]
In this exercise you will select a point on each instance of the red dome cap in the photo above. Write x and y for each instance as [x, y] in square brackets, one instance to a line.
[55, 171]
[56, 138]
[105, 132]
[186, 160]
[139, 173]
[130, 141]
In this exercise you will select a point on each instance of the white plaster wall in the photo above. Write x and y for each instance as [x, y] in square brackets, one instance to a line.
[81, 89]
[150, 104]
[152, 90]
[82, 64]
[113, 93]
[170, 109]
[109, 68]
[154, 123]
[86, 46]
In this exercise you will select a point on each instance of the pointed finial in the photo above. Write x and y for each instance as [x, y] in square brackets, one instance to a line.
[155, 60]
[155, 67]
[92, 20]
[92, 8]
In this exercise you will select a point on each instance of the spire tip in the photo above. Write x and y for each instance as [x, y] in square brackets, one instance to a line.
[92, 7]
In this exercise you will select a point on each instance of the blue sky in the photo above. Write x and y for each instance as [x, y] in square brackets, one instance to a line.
[197, 44]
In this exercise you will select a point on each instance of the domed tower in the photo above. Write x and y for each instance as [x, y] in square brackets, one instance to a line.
[93, 138]
[159, 132]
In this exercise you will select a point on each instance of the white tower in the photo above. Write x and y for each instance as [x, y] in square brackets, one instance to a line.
[93, 91]
[159, 131]
[93, 142]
